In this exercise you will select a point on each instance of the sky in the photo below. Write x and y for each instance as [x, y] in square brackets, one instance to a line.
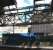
[23, 3]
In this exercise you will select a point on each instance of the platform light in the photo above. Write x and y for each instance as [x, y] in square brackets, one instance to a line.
[14, 11]
[7, 12]
[12, 6]
[6, 8]
[43, 2]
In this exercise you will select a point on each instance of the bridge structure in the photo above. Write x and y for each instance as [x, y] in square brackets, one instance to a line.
[25, 14]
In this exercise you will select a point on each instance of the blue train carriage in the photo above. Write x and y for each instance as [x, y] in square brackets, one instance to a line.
[18, 39]
[12, 39]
